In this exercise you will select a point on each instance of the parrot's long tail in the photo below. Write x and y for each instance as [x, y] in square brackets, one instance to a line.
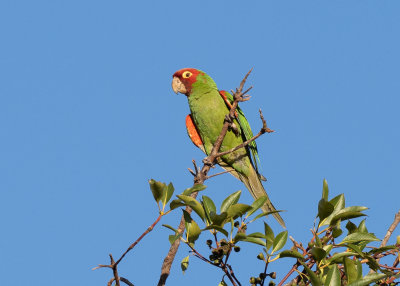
[253, 183]
[257, 190]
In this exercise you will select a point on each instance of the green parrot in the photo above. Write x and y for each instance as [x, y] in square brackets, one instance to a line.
[208, 107]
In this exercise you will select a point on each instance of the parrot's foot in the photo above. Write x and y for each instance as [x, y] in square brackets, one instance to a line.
[232, 125]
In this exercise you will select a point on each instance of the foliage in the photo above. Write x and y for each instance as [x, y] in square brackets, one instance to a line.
[339, 252]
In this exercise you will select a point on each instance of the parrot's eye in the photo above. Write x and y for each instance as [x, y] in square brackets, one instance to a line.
[186, 74]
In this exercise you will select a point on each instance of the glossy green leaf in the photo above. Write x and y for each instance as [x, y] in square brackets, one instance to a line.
[359, 237]
[195, 188]
[333, 277]
[208, 206]
[222, 283]
[194, 204]
[338, 257]
[291, 253]
[362, 227]
[230, 200]
[265, 214]
[368, 279]
[382, 249]
[279, 241]
[359, 269]
[345, 216]
[325, 190]
[355, 248]
[257, 204]
[237, 210]
[325, 208]
[315, 281]
[217, 228]
[327, 248]
[176, 204]
[254, 240]
[169, 193]
[239, 236]
[350, 269]
[258, 235]
[173, 237]
[157, 189]
[269, 234]
[218, 219]
[351, 227]
[185, 264]
[192, 228]
[318, 253]
[338, 202]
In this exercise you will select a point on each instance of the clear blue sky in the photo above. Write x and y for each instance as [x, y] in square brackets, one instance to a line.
[87, 116]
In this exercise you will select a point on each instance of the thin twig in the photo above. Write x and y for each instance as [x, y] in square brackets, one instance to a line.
[115, 271]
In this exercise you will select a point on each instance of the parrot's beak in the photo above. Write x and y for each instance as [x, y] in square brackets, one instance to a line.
[178, 86]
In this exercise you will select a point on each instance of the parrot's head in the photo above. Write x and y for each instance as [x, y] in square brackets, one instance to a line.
[185, 80]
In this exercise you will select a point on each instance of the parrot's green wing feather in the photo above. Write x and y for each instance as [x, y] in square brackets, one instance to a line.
[246, 131]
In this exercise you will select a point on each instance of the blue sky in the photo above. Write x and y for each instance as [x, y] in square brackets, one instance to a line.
[87, 116]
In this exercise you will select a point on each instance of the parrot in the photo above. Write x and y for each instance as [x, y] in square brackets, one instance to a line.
[208, 108]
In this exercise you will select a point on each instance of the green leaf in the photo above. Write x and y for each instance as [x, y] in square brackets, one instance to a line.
[195, 188]
[172, 238]
[351, 227]
[168, 193]
[269, 234]
[345, 216]
[382, 249]
[337, 231]
[359, 269]
[170, 227]
[355, 248]
[258, 203]
[350, 269]
[176, 204]
[359, 237]
[194, 204]
[338, 257]
[368, 279]
[258, 235]
[157, 189]
[338, 203]
[333, 277]
[325, 208]
[279, 241]
[239, 236]
[291, 253]
[325, 190]
[362, 227]
[185, 264]
[218, 219]
[237, 210]
[318, 253]
[208, 206]
[265, 214]
[230, 200]
[192, 228]
[217, 228]
[315, 281]
[254, 240]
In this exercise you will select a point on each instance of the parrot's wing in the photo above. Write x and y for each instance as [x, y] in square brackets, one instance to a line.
[193, 134]
[245, 128]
